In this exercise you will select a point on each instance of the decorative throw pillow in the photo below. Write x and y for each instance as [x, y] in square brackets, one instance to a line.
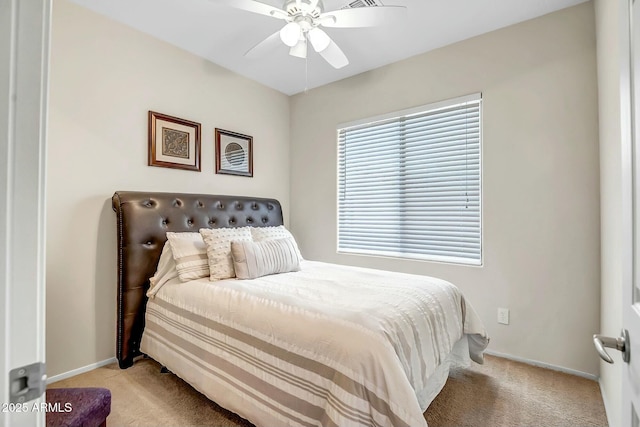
[261, 234]
[218, 241]
[165, 272]
[190, 254]
[257, 259]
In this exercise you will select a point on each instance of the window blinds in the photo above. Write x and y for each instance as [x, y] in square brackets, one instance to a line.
[409, 186]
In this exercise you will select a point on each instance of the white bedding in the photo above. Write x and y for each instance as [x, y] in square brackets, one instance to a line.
[329, 345]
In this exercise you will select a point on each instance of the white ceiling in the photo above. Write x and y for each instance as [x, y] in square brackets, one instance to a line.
[222, 34]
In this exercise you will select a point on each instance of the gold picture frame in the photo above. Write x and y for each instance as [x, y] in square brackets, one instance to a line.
[234, 153]
[173, 142]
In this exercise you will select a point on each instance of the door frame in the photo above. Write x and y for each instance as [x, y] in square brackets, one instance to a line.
[627, 124]
[24, 48]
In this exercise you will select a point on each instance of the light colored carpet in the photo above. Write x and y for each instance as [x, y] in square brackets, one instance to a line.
[500, 393]
[504, 393]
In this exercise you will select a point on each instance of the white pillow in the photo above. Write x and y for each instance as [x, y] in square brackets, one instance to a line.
[165, 272]
[257, 259]
[261, 234]
[218, 242]
[190, 254]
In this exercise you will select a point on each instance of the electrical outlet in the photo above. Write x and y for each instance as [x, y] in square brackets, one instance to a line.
[503, 316]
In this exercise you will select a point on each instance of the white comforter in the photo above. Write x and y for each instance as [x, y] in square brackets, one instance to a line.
[329, 345]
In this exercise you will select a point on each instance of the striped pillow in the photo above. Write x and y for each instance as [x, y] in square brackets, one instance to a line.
[261, 234]
[257, 259]
[190, 254]
[218, 241]
[166, 271]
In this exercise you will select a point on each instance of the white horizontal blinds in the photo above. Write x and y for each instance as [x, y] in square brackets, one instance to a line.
[410, 186]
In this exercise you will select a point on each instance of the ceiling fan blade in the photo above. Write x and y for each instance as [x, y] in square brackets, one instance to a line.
[313, 4]
[299, 50]
[370, 16]
[257, 7]
[334, 55]
[265, 46]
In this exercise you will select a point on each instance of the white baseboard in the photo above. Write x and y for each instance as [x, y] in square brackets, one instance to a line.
[79, 371]
[543, 365]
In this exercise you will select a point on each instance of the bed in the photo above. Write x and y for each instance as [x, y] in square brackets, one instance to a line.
[327, 345]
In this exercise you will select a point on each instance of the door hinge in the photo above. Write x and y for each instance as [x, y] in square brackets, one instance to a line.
[27, 382]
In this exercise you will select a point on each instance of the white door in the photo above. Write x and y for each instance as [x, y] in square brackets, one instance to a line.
[631, 217]
[24, 58]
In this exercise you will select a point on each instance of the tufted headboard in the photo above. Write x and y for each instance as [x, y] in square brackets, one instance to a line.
[142, 222]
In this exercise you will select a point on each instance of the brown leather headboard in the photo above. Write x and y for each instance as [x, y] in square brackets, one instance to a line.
[143, 221]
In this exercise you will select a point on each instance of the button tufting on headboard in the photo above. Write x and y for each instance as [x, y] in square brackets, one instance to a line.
[141, 237]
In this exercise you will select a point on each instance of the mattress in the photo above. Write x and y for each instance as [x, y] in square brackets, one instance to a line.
[329, 345]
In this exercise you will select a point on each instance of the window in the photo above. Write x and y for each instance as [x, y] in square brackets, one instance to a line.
[409, 183]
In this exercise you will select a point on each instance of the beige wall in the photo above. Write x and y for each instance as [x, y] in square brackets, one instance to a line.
[104, 79]
[541, 176]
[541, 203]
[608, 30]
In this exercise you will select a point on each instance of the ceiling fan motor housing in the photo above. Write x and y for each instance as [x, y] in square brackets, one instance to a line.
[306, 8]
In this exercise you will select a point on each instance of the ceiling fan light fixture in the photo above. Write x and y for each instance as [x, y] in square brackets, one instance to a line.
[291, 33]
[300, 49]
[319, 39]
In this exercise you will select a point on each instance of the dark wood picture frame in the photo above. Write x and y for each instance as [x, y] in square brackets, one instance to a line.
[234, 153]
[186, 157]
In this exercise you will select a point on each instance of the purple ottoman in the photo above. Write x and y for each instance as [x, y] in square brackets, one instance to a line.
[78, 407]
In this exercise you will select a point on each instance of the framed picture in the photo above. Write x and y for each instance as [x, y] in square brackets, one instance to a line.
[173, 142]
[234, 153]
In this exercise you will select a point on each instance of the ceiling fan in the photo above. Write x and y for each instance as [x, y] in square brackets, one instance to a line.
[303, 21]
